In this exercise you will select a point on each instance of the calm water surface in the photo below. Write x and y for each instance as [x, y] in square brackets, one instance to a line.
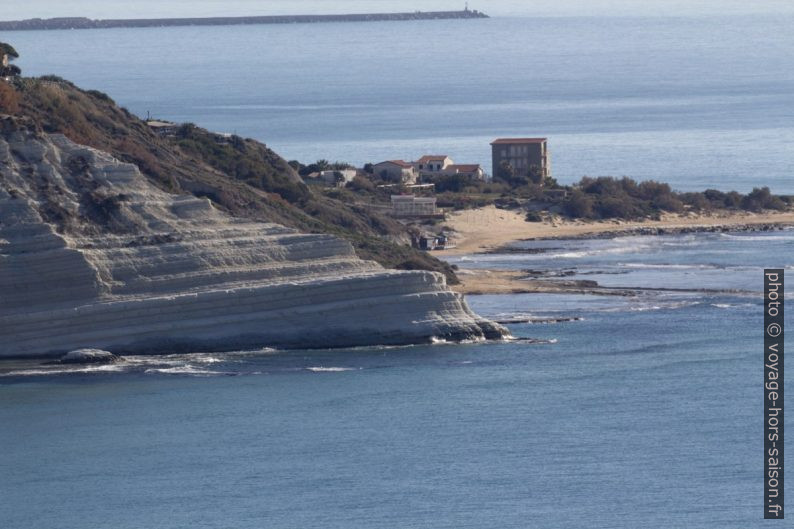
[644, 413]
[695, 101]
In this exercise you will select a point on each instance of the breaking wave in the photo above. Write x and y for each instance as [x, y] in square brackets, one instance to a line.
[673, 266]
[755, 237]
[65, 370]
[184, 370]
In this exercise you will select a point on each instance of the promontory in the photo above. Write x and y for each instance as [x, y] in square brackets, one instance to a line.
[114, 238]
[88, 23]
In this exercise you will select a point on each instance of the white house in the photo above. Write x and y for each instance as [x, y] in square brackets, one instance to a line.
[432, 164]
[396, 170]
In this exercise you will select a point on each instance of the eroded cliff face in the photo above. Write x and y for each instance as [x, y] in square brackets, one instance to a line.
[92, 255]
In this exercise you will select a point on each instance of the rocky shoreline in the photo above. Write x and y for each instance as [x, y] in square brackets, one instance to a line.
[638, 231]
[659, 230]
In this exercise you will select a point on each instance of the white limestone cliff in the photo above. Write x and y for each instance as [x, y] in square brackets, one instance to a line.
[93, 255]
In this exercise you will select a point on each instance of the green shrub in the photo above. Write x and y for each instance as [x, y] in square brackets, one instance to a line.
[579, 205]
[102, 96]
[761, 198]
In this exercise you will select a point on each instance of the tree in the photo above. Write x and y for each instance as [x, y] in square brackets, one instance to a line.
[316, 167]
[8, 53]
[761, 198]
[507, 174]
[8, 49]
[579, 205]
[454, 183]
[535, 174]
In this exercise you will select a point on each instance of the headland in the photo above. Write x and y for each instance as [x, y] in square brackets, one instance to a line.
[88, 23]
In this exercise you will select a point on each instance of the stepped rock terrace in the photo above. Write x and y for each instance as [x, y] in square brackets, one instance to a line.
[93, 255]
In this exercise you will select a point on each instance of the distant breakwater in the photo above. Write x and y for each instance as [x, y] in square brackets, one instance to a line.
[87, 23]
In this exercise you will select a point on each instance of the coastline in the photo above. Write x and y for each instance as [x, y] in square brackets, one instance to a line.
[88, 23]
[492, 230]
[489, 229]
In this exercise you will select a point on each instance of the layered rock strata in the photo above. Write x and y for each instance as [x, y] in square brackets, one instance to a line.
[93, 255]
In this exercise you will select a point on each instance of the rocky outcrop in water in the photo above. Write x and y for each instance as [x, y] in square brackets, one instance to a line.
[93, 255]
[89, 356]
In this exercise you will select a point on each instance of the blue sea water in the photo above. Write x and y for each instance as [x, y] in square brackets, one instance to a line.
[643, 412]
[698, 101]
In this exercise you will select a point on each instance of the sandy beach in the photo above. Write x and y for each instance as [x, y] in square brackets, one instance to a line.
[488, 228]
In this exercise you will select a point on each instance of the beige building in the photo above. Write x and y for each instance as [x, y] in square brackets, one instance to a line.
[521, 154]
[471, 170]
[339, 177]
[429, 164]
[331, 177]
[396, 170]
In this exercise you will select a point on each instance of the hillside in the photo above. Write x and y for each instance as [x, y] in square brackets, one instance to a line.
[94, 255]
[240, 176]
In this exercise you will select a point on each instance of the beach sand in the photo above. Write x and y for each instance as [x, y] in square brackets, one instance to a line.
[488, 228]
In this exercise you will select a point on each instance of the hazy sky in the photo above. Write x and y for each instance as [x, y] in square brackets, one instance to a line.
[16, 9]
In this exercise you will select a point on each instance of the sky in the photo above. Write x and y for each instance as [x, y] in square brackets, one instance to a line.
[20, 9]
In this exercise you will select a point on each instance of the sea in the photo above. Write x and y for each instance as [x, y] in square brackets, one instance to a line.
[638, 409]
[701, 101]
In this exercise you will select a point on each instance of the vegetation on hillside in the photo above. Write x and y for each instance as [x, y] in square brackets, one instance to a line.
[599, 198]
[624, 198]
[241, 176]
[245, 160]
[245, 178]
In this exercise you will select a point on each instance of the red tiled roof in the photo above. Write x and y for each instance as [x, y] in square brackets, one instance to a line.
[502, 141]
[401, 163]
[464, 168]
[432, 158]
